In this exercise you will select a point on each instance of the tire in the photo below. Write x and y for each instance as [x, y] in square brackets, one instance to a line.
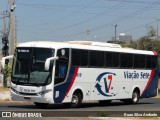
[41, 105]
[134, 99]
[104, 102]
[76, 100]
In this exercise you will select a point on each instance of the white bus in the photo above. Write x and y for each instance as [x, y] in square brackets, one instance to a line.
[76, 71]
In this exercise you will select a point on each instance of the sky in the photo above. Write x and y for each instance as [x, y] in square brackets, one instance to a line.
[94, 20]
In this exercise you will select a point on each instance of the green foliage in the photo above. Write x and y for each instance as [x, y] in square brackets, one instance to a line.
[151, 32]
[6, 74]
[145, 43]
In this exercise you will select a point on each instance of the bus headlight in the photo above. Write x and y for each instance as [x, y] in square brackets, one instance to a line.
[44, 92]
[14, 90]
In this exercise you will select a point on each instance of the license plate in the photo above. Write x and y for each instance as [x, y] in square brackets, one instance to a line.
[27, 98]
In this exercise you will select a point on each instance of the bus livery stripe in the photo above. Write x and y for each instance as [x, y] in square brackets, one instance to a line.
[151, 85]
[149, 81]
[73, 79]
[155, 53]
[63, 89]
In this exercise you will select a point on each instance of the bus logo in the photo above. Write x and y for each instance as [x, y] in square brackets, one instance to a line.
[106, 79]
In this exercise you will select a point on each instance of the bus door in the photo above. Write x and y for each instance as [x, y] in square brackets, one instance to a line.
[61, 65]
[61, 82]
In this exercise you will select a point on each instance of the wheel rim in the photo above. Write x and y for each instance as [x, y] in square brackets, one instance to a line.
[74, 99]
[135, 97]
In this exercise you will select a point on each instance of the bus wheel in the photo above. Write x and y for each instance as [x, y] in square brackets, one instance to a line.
[41, 105]
[135, 97]
[104, 102]
[76, 100]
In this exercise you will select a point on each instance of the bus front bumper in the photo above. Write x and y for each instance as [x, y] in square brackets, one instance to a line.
[16, 96]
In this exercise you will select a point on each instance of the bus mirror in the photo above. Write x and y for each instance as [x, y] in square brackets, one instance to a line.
[3, 61]
[47, 62]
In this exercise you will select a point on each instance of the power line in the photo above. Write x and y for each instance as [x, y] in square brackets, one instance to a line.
[91, 18]
[120, 19]
[130, 1]
[103, 12]
[75, 12]
[132, 29]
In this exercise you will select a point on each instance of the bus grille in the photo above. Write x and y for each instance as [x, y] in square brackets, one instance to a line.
[22, 93]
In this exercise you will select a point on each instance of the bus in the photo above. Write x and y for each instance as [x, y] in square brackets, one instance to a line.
[73, 72]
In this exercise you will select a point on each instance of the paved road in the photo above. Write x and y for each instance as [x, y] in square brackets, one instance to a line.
[147, 105]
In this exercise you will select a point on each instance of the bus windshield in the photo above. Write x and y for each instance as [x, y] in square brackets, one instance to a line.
[28, 66]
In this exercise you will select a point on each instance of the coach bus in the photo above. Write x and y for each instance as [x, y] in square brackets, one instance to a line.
[76, 71]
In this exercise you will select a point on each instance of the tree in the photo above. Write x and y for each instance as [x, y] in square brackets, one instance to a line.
[145, 43]
[6, 74]
[151, 32]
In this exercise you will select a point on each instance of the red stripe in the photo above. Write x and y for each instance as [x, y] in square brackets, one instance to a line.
[149, 81]
[73, 79]
[109, 78]
[155, 53]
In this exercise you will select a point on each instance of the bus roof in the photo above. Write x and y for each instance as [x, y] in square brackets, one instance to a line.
[89, 45]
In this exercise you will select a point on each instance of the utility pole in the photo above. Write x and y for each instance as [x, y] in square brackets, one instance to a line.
[4, 17]
[157, 29]
[88, 32]
[5, 36]
[12, 28]
[115, 33]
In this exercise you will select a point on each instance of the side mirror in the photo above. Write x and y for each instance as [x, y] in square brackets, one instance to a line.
[47, 62]
[4, 59]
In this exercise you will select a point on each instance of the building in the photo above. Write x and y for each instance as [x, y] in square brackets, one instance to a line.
[123, 37]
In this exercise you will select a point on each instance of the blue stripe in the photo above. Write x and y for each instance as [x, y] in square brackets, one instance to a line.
[151, 90]
[62, 88]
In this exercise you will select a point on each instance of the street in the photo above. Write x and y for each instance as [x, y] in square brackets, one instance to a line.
[86, 109]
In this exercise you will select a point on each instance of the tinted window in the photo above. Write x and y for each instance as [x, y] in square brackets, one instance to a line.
[136, 61]
[115, 59]
[151, 62]
[84, 57]
[61, 65]
[93, 58]
[76, 57]
[142, 61]
[126, 60]
[148, 61]
[100, 59]
[108, 59]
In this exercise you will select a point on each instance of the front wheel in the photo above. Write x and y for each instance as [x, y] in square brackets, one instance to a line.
[76, 100]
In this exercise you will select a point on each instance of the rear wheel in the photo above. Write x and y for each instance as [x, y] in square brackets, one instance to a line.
[41, 105]
[76, 100]
[134, 99]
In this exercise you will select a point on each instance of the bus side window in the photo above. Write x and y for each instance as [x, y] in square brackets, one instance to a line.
[61, 65]
[62, 69]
